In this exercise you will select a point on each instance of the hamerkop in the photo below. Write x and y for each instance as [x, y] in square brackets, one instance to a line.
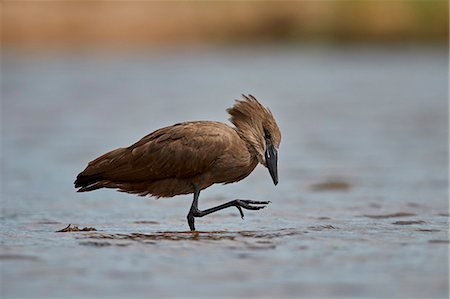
[191, 156]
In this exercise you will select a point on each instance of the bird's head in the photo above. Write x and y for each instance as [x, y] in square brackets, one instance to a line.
[258, 127]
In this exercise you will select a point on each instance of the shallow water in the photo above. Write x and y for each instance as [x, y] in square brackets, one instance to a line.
[361, 208]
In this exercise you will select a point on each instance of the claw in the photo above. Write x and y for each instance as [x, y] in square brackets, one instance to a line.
[240, 211]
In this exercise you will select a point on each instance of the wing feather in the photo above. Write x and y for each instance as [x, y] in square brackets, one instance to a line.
[179, 151]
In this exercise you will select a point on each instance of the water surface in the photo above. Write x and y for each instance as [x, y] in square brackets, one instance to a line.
[361, 209]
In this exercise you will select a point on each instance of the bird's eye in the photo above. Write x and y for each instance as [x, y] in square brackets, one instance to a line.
[267, 134]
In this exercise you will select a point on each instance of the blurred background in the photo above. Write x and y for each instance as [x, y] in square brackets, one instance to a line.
[146, 24]
[359, 90]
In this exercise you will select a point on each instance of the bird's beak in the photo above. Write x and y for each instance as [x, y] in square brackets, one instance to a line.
[271, 156]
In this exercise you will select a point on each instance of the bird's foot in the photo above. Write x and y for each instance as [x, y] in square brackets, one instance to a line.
[238, 203]
[249, 205]
[191, 220]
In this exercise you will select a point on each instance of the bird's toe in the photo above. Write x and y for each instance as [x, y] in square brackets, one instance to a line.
[251, 204]
[254, 202]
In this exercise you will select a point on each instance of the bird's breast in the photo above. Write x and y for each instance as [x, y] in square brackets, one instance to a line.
[234, 165]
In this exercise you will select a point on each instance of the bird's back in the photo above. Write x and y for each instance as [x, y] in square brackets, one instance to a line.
[170, 160]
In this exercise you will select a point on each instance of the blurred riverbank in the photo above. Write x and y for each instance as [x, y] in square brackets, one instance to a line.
[137, 24]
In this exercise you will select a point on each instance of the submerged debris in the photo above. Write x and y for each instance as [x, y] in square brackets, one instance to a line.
[18, 257]
[173, 236]
[445, 214]
[439, 241]
[321, 227]
[408, 222]
[146, 222]
[394, 215]
[74, 228]
[95, 244]
[331, 185]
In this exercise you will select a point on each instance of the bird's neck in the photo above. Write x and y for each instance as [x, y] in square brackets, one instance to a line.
[254, 146]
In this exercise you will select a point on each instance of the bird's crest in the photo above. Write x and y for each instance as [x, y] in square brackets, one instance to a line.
[255, 123]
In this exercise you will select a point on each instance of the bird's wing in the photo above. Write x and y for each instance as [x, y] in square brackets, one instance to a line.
[180, 151]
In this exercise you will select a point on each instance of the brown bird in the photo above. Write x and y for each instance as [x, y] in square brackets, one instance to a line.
[191, 156]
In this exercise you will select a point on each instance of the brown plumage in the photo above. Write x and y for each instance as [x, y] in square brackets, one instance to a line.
[191, 156]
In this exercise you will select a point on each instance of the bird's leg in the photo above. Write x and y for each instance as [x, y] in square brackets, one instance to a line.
[238, 203]
[194, 208]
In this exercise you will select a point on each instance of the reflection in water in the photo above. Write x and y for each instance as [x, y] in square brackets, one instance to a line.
[195, 236]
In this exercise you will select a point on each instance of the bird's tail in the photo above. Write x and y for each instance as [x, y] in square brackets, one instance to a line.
[93, 177]
[87, 182]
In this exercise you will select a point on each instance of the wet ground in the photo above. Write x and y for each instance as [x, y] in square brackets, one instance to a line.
[361, 209]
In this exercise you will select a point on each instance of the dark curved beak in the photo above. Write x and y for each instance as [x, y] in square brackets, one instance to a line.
[271, 156]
